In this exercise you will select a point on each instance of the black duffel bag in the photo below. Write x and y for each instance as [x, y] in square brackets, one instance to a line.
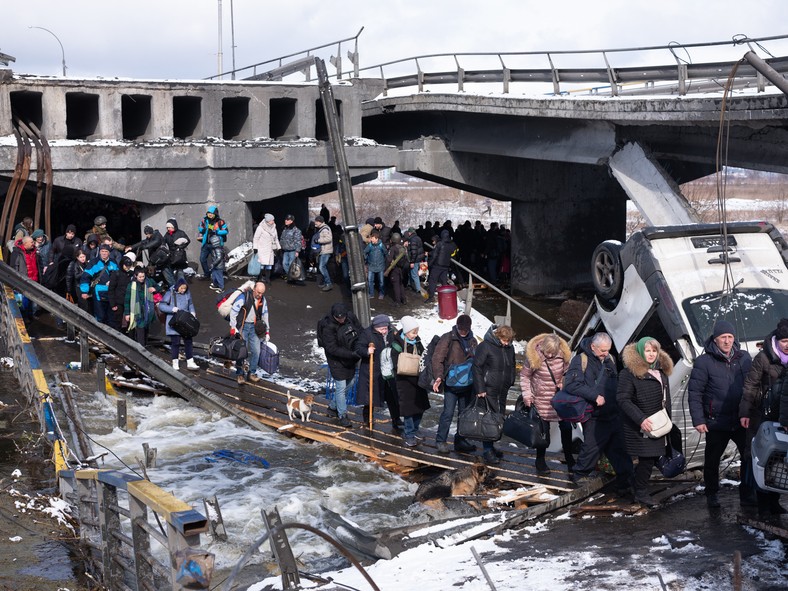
[526, 426]
[480, 422]
[229, 347]
[185, 324]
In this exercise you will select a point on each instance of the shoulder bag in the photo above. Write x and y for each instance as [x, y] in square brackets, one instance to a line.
[229, 348]
[459, 376]
[480, 422]
[526, 426]
[660, 421]
[672, 463]
[408, 363]
[185, 324]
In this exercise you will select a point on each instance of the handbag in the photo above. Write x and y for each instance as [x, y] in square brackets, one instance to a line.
[660, 424]
[254, 267]
[570, 407]
[296, 270]
[480, 422]
[408, 363]
[672, 463]
[526, 426]
[177, 258]
[229, 348]
[269, 358]
[185, 324]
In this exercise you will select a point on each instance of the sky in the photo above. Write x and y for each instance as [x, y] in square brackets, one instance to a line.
[179, 39]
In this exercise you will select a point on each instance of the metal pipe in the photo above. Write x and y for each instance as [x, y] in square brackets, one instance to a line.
[768, 72]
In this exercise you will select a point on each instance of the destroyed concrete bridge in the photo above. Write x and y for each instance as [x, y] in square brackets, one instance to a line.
[567, 162]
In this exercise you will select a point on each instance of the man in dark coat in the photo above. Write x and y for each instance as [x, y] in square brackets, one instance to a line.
[149, 244]
[338, 332]
[116, 290]
[176, 241]
[455, 347]
[592, 375]
[61, 254]
[715, 391]
[439, 262]
[416, 256]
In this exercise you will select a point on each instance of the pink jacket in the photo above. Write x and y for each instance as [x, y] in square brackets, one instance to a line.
[535, 381]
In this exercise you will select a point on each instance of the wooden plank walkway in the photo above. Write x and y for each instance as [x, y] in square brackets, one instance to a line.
[266, 402]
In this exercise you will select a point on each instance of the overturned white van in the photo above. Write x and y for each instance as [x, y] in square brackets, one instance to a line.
[674, 282]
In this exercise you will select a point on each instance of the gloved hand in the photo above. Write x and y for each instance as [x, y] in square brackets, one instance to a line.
[174, 310]
[234, 333]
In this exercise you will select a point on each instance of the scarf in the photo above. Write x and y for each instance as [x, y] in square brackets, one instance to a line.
[783, 357]
[640, 347]
[141, 309]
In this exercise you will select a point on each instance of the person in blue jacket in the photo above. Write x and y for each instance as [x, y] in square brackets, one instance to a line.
[211, 225]
[177, 298]
[375, 259]
[715, 389]
[95, 283]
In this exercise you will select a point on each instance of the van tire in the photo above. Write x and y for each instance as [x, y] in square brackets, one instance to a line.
[607, 271]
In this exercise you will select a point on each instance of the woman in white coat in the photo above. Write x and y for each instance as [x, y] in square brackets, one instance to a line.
[265, 244]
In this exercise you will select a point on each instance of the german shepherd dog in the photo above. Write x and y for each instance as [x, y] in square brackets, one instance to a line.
[452, 483]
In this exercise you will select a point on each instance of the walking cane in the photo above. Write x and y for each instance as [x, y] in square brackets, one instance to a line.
[371, 390]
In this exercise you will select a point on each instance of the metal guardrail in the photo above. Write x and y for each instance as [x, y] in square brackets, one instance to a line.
[115, 512]
[614, 79]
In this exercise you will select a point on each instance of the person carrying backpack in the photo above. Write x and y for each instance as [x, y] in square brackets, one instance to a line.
[454, 348]
[337, 333]
[211, 225]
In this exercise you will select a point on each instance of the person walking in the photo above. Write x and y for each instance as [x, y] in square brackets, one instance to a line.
[768, 370]
[375, 259]
[412, 398]
[715, 388]
[149, 244]
[454, 348]
[416, 256]
[440, 262]
[139, 308]
[643, 390]
[178, 297]
[369, 346]
[116, 290]
[337, 333]
[396, 266]
[73, 277]
[546, 359]
[291, 242]
[176, 241]
[493, 375]
[592, 375]
[326, 241]
[95, 283]
[211, 225]
[249, 319]
[266, 243]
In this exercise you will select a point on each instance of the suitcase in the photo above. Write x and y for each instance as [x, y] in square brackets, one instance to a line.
[229, 348]
[269, 358]
[185, 324]
[769, 448]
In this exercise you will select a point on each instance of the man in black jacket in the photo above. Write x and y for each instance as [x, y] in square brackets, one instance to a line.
[592, 375]
[440, 262]
[152, 241]
[337, 334]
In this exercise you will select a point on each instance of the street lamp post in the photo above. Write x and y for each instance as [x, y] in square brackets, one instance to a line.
[62, 52]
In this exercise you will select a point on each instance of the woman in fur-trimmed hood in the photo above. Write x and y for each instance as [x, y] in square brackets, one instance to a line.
[546, 359]
[643, 389]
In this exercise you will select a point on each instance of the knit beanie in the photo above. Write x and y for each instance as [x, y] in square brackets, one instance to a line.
[408, 324]
[268, 217]
[782, 330]
[380, 320]
[723, 327]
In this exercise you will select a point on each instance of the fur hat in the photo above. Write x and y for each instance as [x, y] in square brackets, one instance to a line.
[723, 327]
[380, 320]
[408, 324]
[464, 322]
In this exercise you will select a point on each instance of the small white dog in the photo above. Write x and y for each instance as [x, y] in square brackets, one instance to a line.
[302, 406]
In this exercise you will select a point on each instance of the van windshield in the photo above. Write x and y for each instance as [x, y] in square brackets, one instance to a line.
[754, 312]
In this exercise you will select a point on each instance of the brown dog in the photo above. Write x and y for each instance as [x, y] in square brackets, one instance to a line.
[453, 483]
[302, 406]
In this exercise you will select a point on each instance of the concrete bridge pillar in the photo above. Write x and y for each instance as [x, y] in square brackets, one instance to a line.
[563, 213]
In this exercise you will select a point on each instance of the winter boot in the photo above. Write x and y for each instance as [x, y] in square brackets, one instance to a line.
[175, 364]
[190, 364]
[541, 464]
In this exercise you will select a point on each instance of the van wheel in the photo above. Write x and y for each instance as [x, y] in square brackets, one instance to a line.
[607, 271]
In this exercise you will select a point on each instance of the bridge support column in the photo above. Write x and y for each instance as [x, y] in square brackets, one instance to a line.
[564, 212]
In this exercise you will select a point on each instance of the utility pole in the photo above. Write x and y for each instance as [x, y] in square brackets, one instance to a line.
[358, 284]
[221, 69]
